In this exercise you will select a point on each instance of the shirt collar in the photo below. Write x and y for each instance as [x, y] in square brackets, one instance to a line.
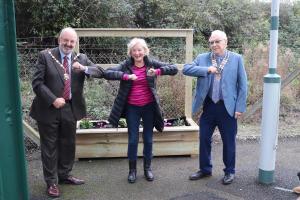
[62, 55]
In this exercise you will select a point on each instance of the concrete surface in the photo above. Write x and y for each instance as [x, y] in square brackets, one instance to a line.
[107, 178]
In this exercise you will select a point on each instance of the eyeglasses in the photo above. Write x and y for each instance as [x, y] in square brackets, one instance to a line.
[214, 42]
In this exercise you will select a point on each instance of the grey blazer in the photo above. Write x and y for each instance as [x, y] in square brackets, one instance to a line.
[234, 82]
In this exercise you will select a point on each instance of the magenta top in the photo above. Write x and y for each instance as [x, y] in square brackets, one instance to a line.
[140, 93]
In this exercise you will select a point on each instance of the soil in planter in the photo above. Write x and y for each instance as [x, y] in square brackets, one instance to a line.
[180, 121]
[170, 122]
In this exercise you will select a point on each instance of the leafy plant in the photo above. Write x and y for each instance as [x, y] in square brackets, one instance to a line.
[122, 123]
[85, 124]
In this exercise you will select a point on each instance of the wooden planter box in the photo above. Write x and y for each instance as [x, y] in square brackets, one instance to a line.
[112, 142]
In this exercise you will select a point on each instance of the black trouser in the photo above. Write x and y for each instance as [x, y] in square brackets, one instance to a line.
[58, 145]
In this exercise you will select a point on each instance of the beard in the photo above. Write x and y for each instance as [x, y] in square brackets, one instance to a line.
[66, 49]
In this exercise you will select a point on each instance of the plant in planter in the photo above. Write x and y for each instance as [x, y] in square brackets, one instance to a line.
[88, 124]
[85, 124]
[170, 122]
[103, 141]
[180, 121]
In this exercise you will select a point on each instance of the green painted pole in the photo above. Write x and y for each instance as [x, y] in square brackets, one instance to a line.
[271, 104]
[13, 179]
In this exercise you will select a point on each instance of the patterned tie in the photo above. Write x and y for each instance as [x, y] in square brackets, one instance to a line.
[67, 87]
[216, 87]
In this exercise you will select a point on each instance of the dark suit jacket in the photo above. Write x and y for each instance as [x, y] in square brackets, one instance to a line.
[116, 73]
[48, 84]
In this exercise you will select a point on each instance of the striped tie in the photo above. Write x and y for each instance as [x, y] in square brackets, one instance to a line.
[67, 87]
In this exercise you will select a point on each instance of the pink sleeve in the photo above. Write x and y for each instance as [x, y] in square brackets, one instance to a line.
[125, 77]
[158, 72]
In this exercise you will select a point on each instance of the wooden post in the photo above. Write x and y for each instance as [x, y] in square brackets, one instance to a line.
[113, 142]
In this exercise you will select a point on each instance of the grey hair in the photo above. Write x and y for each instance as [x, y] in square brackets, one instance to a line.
[136, 41]
[68, 29]
[220, 33]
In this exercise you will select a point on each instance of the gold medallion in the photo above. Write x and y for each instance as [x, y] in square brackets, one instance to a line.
[66, 76]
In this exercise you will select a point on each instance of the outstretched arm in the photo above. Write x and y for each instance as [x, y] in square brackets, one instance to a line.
[161, 68]
[195, 69]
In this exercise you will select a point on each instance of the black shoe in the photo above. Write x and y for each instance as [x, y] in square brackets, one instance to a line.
[198, 175]
[228, 179]
[132, 171]
[148, 175]
[132, 176]
[72, 180]
[147, 170]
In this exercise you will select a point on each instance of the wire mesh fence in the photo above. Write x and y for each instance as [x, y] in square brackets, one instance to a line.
[100, 93]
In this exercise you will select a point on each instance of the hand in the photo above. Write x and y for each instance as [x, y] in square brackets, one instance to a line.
[212, 69]
[238, 115]
[59, 102]
[78, 67]
[151, 72]
[132, 77]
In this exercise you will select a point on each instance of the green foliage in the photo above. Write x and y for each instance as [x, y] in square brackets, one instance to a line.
[289, 25]
[46, 18]
[179, 122]
[246, 23]
[242, 20]
[85, 124]
[122, 123]
[99, 98]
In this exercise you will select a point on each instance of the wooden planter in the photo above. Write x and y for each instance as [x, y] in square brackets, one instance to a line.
[112, 142]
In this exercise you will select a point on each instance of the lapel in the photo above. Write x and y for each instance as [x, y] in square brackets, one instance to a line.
[56, 54]
[209, 63]
[72, 61]
[225, 74]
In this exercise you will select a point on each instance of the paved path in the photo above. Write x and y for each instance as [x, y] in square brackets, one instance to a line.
[107, 178]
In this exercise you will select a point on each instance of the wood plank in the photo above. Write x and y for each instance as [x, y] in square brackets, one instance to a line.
[31, 133]
[193, 127]
[112, 142]
[120, 150]
[132, 32]
[123, 139]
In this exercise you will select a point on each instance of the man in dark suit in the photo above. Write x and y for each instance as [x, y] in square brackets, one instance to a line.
[59, 103]
[222, 91]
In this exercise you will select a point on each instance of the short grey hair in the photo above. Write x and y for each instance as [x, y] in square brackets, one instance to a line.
[67, 29]
[136, 41]
[220, 33]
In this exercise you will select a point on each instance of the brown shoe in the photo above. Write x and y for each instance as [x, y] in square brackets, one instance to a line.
[53, 191]
[72, 180]
[296, 190]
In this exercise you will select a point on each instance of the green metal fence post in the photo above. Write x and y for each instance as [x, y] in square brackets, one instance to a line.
[13, 179]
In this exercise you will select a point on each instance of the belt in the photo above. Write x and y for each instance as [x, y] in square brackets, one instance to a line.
[68, 101]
